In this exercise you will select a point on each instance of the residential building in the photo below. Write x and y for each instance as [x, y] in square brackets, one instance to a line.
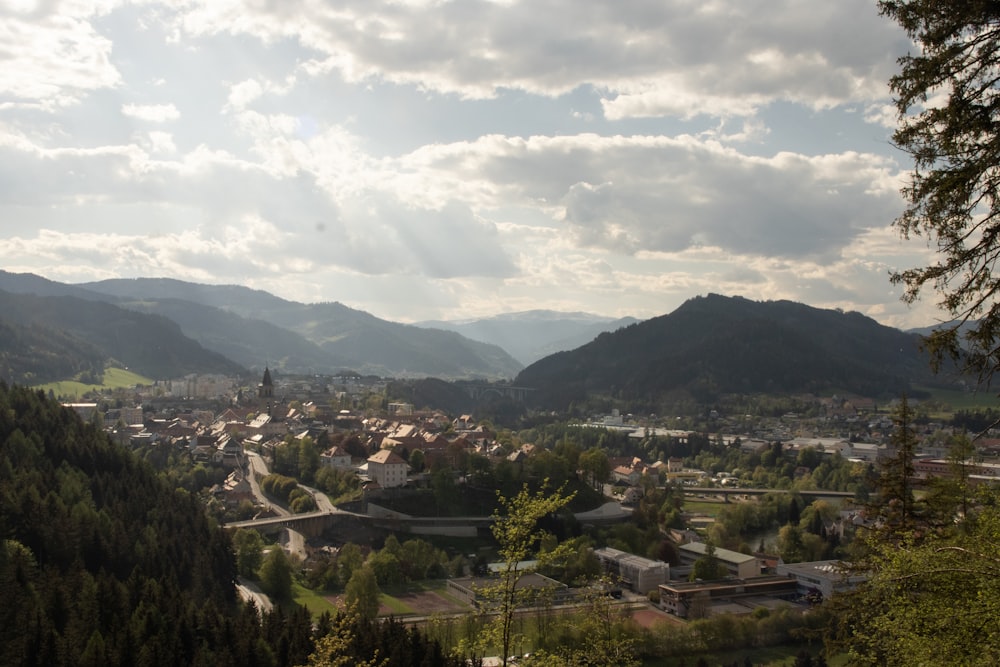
[387, 469]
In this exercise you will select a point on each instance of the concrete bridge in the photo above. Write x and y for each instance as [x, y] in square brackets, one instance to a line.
[485, 392]
[726, 491]
[313, 524]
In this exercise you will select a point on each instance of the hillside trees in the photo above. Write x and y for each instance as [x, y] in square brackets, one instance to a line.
[948, 101]
[516, 530]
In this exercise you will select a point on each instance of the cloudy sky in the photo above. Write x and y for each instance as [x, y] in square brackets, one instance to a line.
[423, 159]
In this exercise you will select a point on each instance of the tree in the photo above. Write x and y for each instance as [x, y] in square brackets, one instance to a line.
[515, 528]
[895, 506]
[948, 105]
[930, 601]
[708, 567]
[249, 548]
[276, 575]
[594, 463]
[362, 593]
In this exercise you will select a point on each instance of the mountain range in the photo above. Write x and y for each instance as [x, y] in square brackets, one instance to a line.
[709, 346]
[254, 328]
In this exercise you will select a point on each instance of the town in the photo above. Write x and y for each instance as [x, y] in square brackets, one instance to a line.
[751, 515]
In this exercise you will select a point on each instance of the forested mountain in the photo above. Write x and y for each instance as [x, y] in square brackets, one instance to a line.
[151, 345]
[34, 354]
[716, 345]
[531, 335]
[102, 562]
[255, 328]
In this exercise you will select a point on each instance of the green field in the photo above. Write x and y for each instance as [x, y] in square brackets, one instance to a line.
[114, 378]
[964, 400]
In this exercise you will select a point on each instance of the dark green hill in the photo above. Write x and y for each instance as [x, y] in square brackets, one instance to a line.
[33, 354]
[718, 345]
[100, 562]
[151, 345]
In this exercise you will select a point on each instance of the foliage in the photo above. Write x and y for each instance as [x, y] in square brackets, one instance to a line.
[599, 634]
[932, 595]
[516, 530]
[275, 575]
[930, 600]
[249, 548]
[287, 490]
[708, 567]
[362, 592]
[948, 103]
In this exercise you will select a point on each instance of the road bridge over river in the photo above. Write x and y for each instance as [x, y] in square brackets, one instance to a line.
[726, 491]
[313, 524]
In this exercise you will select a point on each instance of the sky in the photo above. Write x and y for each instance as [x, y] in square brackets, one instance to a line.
[426, 159]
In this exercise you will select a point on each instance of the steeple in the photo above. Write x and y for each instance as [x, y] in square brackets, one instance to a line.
[266, 387]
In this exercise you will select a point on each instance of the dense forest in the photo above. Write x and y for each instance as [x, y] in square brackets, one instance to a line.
[103, 563]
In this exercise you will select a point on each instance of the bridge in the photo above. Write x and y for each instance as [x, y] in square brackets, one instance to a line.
[726, 491]
[484, 392]
[313, 524]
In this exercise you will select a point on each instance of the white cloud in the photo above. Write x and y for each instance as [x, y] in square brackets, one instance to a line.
[669, 59]
[154, 113]
[51, 60]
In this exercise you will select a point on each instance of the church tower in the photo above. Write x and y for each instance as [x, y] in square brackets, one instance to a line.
[265, 390]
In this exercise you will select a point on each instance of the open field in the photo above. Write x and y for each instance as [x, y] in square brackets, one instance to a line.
[964, 400]
[419, 599]
[114, 378]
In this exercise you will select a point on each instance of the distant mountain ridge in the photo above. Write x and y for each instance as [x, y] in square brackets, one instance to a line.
[65, 335]
[716, 345]
[255, 328]
[533, 334]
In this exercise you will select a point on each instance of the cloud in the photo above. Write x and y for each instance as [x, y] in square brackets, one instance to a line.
[52, 60]
[154, 113]
[722, 59]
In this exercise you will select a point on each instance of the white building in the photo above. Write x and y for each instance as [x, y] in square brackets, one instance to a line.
[335, 457]
[639, 574]
[825, 576]
[387, 468]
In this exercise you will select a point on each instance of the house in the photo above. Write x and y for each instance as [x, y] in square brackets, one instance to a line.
[335, 457]
[387, 468]
[630, 476]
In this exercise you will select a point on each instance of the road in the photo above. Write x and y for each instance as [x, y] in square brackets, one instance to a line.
[249, 591]
[258, 468]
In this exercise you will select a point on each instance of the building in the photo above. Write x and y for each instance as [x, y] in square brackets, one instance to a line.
[824, 577]
[387, 469]
[637, 573]
[335, 457]
[741, 566]
[698, 599]
[265, 390]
